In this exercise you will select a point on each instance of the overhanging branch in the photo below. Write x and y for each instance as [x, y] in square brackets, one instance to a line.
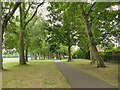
[34, 13]
[91, 8]
[8, 16]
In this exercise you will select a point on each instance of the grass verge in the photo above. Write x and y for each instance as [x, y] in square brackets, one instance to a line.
[37, 74]
[108, 74]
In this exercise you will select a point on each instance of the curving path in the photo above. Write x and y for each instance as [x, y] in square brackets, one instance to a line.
[79, 79]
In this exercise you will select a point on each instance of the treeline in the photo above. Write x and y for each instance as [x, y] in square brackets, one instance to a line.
[88, 25]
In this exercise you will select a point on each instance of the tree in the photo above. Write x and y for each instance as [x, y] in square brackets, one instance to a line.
[93, 19]
[92, 46]
[7, 16]
[23, 23]
[63, 22]
[1, 66]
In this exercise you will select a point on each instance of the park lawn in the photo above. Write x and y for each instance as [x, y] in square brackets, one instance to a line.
[108, 74]
[37, 74]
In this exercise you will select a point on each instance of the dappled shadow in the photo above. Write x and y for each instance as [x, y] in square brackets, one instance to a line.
[22, 65]
[5, 70]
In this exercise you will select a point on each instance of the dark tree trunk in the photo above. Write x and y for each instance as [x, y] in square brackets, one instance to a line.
[44, 56]
[60, 56]
[26, 56]
[1, 59]
[92, 46]
[69, 53]
[21, 39]
[39, 55]
[48, 55]
[56, 56]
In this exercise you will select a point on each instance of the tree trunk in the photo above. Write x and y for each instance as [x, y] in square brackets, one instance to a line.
[69, 53]
[21, 45]
[35, 56]
[1, 59]
[64, 56]
[26, 56]
[92, 46]
[56, 56]
[60, 56]
[21, 39]
[98, 58]
[48, 55]
[44, 56]
[32, 56]
[39, 55]
[91, 57]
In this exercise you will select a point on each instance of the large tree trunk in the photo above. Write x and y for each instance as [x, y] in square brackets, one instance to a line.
[69, 53]
[1, 59]
[91, 56]
[98, 58]
[92, 46]
[21, 45]
[21, 39]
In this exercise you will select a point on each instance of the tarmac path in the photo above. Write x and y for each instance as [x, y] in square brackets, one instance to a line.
[79, 79]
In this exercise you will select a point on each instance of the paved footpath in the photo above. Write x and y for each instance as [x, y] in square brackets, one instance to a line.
[79, 79]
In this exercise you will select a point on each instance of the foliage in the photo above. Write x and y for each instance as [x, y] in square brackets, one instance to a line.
[81, 54]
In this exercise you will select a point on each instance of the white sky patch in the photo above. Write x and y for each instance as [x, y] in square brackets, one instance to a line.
[76, 47]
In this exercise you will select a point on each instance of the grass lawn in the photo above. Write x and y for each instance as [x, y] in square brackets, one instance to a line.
[37, 74]
[108, 74]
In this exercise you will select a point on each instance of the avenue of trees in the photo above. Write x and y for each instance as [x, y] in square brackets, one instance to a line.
[87, 25]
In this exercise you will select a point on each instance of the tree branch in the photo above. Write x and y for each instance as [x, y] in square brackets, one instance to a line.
[28, 9]
[34, 13]
[83, 11]
[91, 8]
[16, 33]
[8, 16]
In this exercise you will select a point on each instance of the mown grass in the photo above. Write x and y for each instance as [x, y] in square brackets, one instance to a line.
[108, 74]
[37, 74]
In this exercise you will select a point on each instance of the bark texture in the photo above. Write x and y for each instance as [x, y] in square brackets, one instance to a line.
[69, 53]
[56, 56]
[21, 37]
